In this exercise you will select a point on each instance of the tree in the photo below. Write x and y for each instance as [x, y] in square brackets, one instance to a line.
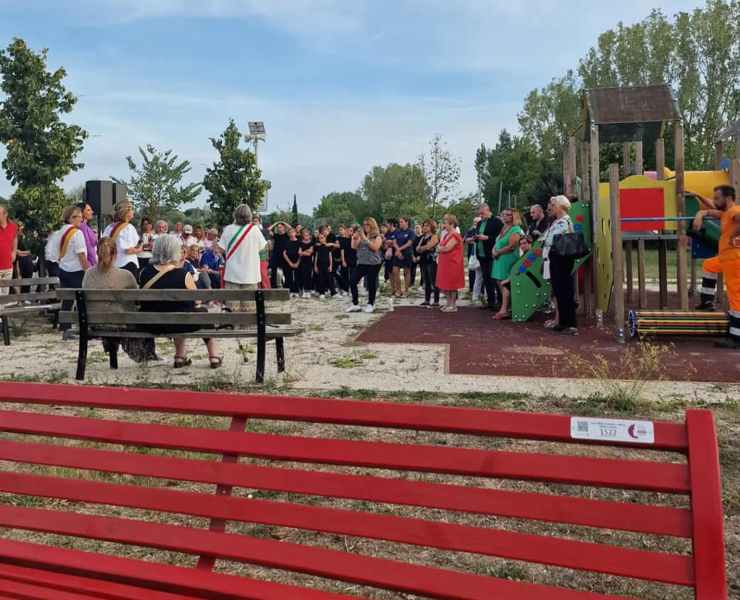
[286, 216]
[395, 191]
[155, 185]
[235, 178]
[294, 211]
[41, 148]
[341, 208]
[441, 171]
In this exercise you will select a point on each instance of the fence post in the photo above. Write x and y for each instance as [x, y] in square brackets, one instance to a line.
[617, 254]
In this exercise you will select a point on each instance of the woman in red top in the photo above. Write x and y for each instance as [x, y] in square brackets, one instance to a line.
[450, 270]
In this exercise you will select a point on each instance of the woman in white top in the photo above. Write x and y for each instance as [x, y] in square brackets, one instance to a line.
[147, 242]
[126, 238]
[241, 243]
[71, 253]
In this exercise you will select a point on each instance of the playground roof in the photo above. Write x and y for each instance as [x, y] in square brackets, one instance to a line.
[628, 114]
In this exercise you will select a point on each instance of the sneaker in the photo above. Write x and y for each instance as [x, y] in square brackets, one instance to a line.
[425, 303]
[322, 296]
[306, 295]
[353, 308]
[705, 305]
[369, 308]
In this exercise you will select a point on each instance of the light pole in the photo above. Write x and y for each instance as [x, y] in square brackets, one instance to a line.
[257, 134]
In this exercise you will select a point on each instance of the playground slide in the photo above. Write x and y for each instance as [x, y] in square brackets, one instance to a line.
[529, 291]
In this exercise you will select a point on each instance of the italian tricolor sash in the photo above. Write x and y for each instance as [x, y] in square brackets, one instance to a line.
[66, 239]
[235, 243]
[117, 229]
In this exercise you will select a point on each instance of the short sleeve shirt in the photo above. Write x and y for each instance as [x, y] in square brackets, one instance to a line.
[127, 238]
[404, 236]
[243, 266]
[727, 222]
[7, 238]
[70, 262]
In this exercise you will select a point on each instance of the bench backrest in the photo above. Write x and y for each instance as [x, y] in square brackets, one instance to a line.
[32, 296]
[686, 465]
[107, 318]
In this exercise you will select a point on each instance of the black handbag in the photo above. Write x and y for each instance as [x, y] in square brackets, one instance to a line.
[569, 245]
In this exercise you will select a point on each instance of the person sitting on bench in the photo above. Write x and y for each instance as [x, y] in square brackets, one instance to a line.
[165, 272]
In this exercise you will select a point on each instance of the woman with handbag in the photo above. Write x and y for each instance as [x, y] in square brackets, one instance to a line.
[558, 268]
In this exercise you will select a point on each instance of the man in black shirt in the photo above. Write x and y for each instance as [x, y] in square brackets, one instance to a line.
[488, 229]
[538, 222]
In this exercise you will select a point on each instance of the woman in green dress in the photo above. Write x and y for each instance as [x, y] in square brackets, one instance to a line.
[505, 254]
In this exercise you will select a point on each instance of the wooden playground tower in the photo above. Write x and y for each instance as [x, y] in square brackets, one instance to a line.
[635, 117]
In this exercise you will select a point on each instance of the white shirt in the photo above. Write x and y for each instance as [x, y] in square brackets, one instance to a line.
[51, 252]
[128, 238]
[70, 262]
[147, 238]
[244, 265]
[188, 240]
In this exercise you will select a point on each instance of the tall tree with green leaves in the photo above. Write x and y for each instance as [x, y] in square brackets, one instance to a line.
[442, 173]
[41, 148]
[235, 178]
[396, 191]
[341, 208]
[156, 184]
[294, 211]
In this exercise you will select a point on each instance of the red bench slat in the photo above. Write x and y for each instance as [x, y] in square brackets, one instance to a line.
[71, 583]
[415, 579]
[661, 520]
[579, 470]
[556, 428]
[158, 576]
[706, 504]
[560, 552]
[28, 591]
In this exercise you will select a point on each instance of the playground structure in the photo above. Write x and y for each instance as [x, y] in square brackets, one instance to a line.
[655, 206]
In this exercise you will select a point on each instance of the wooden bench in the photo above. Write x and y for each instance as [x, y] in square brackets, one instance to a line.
[43, 299]
[261, 324]
[84, 469]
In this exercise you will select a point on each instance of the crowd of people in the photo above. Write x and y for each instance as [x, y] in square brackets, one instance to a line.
[318, 263]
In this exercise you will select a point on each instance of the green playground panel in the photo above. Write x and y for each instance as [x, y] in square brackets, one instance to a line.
[529, 291]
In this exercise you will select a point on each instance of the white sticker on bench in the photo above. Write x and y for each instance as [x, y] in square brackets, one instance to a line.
[612, 430]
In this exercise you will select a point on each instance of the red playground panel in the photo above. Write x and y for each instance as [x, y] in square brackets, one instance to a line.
[686, 466]
[642, 203]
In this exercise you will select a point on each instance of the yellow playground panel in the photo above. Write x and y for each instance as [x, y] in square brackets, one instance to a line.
[697, 182]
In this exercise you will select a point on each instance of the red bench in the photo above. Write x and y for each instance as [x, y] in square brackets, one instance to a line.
[36, 570]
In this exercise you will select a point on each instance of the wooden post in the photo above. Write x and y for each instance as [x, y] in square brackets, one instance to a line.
[585, 179]
[660, 158]
[683, 241]
[572, 162]
[626, 159]
[594, 187]
[628, 268]
[639, 166]
[617, 256]
[663, 273]
[692, 279]
[641, 289]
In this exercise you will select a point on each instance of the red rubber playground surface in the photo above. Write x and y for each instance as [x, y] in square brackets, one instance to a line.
[478, 345]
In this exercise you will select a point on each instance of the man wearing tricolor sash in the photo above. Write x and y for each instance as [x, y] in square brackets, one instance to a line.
[242, 243]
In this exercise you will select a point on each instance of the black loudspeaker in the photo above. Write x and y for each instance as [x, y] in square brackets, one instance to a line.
[119, 193]
[99, 195]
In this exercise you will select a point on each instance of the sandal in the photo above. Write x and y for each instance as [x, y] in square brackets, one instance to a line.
[550, 324]
[181, 362]
[216, 361]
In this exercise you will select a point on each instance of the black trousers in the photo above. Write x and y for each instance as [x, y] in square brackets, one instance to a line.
[291, 279]
[429, 275]
[323, 279]
[24, 270]
[305, 274]
[564, 289]
[370, 273]
[489, 283]
[69, 279]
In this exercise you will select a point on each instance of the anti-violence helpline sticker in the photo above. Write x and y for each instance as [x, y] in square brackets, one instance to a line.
[612, 430]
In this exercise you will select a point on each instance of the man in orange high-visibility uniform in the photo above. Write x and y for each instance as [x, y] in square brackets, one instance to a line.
[727, 261]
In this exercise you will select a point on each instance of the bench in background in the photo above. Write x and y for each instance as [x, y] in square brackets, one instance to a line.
[685, 465]
[263, 324]
[39, 300]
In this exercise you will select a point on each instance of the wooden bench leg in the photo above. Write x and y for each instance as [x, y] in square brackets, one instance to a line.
[81, 357]
[6, 331]
[280, 352]
[113, 354]
[259, 298]
[261, 349]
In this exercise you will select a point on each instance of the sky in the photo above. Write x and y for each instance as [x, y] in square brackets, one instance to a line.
[341, 85]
